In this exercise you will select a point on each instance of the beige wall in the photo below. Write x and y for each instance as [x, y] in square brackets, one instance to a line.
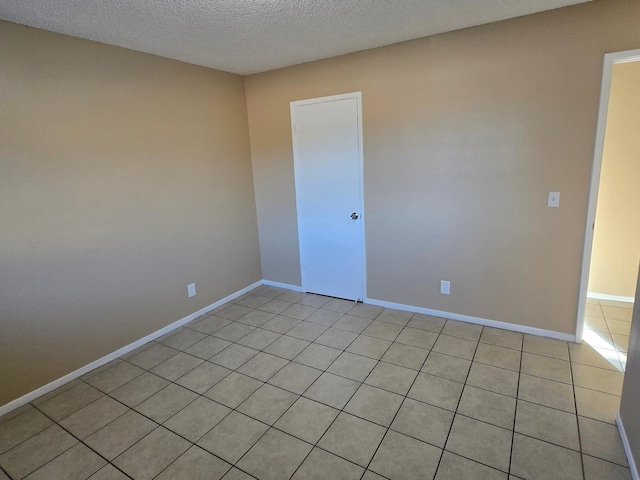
[124, 177]
[616, 241]
[631, 389]
[465, 133]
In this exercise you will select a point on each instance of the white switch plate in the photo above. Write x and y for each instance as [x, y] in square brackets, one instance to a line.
[191, 290]
[445, 287]
[554, 199]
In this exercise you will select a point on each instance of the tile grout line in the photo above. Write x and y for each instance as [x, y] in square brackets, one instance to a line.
[515, 412]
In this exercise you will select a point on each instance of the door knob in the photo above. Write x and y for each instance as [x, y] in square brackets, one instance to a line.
[354, 216]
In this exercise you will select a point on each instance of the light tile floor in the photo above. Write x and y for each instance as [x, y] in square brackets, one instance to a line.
[280, 385]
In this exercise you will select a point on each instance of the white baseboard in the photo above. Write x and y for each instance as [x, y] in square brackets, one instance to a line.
[567, 337]
[627, 448]
[295, 288]
[606, 296]
[29, 397]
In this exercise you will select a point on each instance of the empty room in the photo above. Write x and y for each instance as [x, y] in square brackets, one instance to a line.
[303, 239]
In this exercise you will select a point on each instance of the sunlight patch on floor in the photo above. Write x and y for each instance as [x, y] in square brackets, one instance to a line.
[604, 348]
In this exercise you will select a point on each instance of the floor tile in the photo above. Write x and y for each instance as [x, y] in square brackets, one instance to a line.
[324, 317]
[597, 405]
[320, 465]
[263, 366]
[233, 436]
[399, 317]
[295, 377]
[287, 347]
[400, 457]
[548, 347]
[383, 330]
[299, 311]
[599, 379]
[93, 417]
[620, 327]
[152, 356]
[184, 339]
[270, 291]
[547, 392]
[115, 377]
[203, 377]
[211, 325]
[617, 313]
[259, 339]
[70, 401]
[498, 357]
[256, 318]
[275, 456]
[546, 367]
[267, 403]
[369, 475]
[352, 438]
[481, 442]
[307, 331]
[536, 460]
[166, 403]
[455, 467]
[292, 296]
[417, 338]
[197, 418]
[276, 306]
[602, 440]
[195, 464]
[315, 300]
[77, 462]
[280, 324]
[36, 451]
[369, 347]
[424, 422]
[487, 406]
[338, 305]
[233, 356]
[405, 356]
[152, 454]
[595, 323]
[332, 390]
[353, 324]
[113, 439]
[108, 472]
[596, 469]
[436, 391]
[594, 310]
[502, 338]
[307, 420]
[233, 312]
[374, 404]
[336, 338]
[621, 342]
[446, 366]
[427, 322]
[494, 379]
[252, 301]
[22, 427]
[458, 347]
[207, 347]
[235, 474]
[392, 377]
[547, 424]
[350, 365]
[317, 356]
[586, 355]
[468, 331]
[176, 366]
[139, 389]
[234, 331]
[233, 389]
[366, 311]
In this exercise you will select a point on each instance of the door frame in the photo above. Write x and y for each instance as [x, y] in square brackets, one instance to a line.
[610, 59]
[296, 158]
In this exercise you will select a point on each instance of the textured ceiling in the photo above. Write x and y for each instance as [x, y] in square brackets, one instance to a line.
[249, 36]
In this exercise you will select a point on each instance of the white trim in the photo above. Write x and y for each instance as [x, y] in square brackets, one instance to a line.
[627, 448]
[606, 296]
[334, 98]
[288, 286]
[610, 59]
[567, 337]
[18, 402]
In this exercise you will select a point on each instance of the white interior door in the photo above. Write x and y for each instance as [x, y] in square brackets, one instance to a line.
[327, 146]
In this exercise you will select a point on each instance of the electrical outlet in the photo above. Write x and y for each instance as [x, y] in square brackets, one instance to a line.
[554, 199]
[445, 287]
[191, 290]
